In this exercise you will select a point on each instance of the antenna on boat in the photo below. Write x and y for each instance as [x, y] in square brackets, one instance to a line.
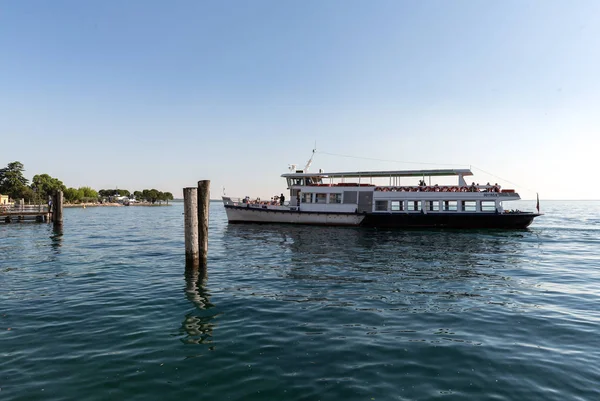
[311, 159]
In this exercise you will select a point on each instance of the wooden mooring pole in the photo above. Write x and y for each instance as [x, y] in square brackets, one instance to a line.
[203, 209]
[57, 208]
[195, 210]
[190, 213]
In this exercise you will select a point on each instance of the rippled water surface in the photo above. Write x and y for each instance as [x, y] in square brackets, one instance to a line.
[104, 310]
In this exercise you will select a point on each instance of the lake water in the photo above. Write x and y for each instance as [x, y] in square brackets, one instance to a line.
[103, 310]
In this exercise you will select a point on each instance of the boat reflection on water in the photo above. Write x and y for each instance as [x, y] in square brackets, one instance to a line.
[414, 269]
[349, 245]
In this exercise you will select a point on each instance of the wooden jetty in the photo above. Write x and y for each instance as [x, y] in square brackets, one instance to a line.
[39, 213]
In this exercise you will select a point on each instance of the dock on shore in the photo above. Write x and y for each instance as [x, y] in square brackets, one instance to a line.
[39, 213]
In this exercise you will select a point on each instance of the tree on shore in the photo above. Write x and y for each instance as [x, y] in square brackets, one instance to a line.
[83, 194]
[44, 185]
[73, 195]
[13, 183]
[88, 194]
[153, 196]
[109, 193]
[150, 195]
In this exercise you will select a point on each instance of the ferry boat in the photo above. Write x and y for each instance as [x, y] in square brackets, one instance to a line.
[353, 199]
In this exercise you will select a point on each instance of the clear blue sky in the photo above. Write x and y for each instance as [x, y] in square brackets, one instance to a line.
[142, 94]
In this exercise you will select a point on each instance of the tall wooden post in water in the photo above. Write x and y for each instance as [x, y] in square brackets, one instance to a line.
[57, 208]
[190, 213]
[195, 209]
[203, 209]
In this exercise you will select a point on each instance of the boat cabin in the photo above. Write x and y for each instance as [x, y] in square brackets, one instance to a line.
[385, 192]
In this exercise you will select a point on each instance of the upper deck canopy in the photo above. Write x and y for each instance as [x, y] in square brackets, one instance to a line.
[398, 173]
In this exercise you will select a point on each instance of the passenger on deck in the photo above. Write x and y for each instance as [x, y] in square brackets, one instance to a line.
[281, 199]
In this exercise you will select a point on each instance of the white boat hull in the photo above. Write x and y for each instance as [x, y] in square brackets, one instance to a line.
[236, 214]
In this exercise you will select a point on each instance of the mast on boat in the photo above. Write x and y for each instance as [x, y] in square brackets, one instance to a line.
[311, 159]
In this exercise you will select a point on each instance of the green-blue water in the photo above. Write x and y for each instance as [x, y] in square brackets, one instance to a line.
[104, 311]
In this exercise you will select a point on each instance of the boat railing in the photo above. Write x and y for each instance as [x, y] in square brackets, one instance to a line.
[450, 188]
[254, 203]
[341, 184]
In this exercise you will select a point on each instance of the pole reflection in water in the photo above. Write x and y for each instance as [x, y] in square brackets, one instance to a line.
[56, 238]
[198, 325]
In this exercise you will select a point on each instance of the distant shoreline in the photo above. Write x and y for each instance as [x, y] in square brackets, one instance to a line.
[86, 205]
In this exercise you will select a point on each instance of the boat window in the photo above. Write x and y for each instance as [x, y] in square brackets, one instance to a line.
[321, 198]
[450, 206]
[433, 206]
[397, 206]
[469, 206]
[413, 206]
[335, 198]
[307, 197]
[488, 206]
[298, 181]
[381, 206]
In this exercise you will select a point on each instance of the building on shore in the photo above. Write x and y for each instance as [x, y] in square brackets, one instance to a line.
[5, 200]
